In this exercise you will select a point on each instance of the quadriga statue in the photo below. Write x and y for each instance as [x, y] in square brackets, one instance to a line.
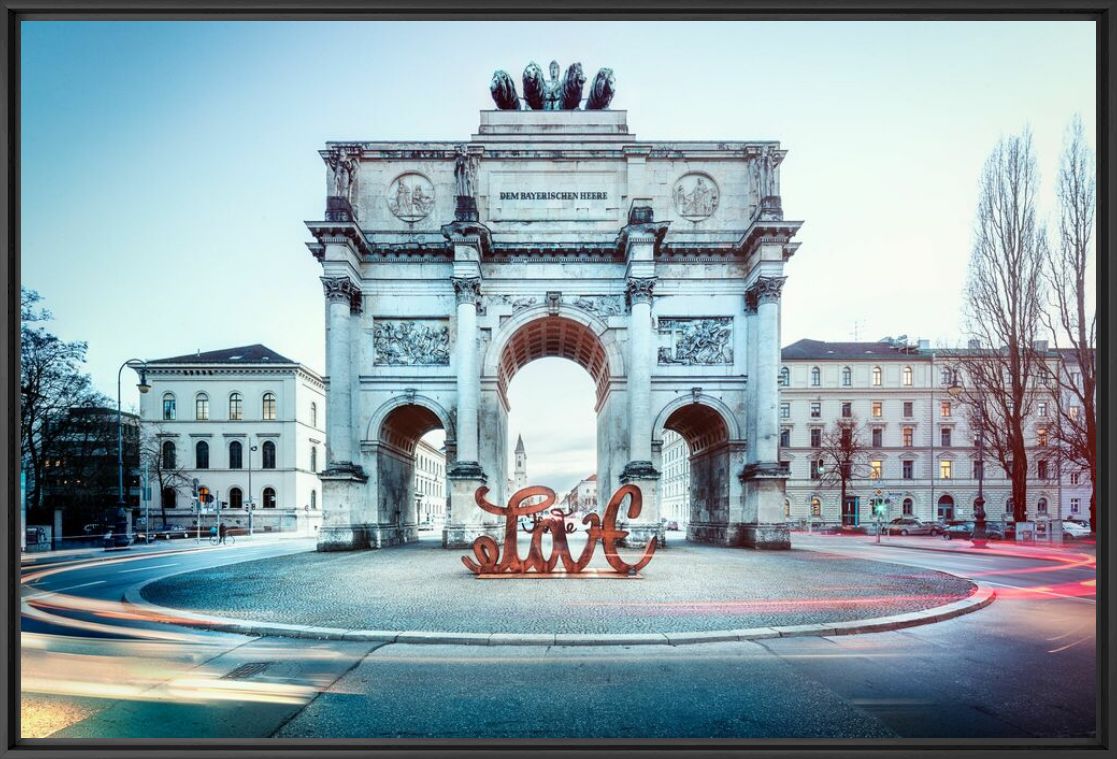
[535, 88]
[601, 91]
[503, 90]
[572, 85]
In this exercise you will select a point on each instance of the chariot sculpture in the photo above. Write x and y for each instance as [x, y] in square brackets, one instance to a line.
[552, 93]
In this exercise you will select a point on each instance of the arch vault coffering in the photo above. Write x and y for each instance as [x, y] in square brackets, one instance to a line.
[554, 337]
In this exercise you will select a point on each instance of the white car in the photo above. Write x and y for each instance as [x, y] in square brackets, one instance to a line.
[1075, 529]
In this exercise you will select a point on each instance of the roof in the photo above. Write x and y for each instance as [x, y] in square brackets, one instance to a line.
[245, 354]
[821, 349]
[591, 478]
[520, 444]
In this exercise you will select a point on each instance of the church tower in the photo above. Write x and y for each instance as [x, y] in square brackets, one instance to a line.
[520, 477]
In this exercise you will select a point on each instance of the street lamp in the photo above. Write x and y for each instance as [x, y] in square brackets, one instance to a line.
[143, 388]
[978, 537]
[251, 503]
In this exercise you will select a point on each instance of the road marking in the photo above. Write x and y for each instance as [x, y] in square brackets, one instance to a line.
[63, 590]
[1070, 645]
[154, 566]
[1030, 589]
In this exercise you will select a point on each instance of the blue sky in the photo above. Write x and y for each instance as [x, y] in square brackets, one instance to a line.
[167, 167]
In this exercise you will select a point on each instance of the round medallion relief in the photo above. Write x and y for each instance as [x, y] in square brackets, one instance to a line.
[696, 196]
[411, 196]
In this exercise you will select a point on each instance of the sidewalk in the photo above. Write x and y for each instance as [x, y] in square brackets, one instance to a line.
[42, 558]
[1068, 551]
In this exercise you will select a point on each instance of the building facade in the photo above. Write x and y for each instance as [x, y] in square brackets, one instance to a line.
[675, 498]
[249, 425]
[656, 266]
[582, 498]
[430, 483]
[920, 456]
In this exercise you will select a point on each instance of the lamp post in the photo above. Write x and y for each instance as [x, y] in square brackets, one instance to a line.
[143, 388]
[978, 538]
[821, 469]
[251, 503]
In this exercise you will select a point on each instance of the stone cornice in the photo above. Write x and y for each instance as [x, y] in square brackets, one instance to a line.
[762, 232]
[653, 231]
[472, 233]
[345, 232]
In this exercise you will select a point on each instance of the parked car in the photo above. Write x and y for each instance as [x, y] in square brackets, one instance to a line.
[672, 525]
[963, 530]
[907, 526]
[1075, 529]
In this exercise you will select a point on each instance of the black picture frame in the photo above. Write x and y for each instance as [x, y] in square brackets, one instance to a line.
[1102, 12]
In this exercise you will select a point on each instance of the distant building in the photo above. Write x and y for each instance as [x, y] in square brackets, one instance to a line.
[249, 425]
[675, 479]
[582, 497]
[430, 483]
[519, 477]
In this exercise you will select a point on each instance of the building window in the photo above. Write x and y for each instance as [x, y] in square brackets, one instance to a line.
[269, 406]
[816, 409]
[944, 409]
[269, 498]
[1075, 504]
[816, 507]
[1008, 469]
[313, 500]
[236, 407]
[907, 376]
[1041, 469]
[785, 377]
[816, 437]
[168, 407]
[1074, 478]
[877, 375]
[786, 509]
[978, 470]
[847, 409]
[816, 376]
[1041, 437]
[785, 440]
[847, 377]
[816, 466]
[314, 458]
[236, 498]
[876, 469]
[201, 455]
[909, 409]
[946, 469]
[907, 469]
[1041, 409]
[1075, 379]
[170, 498]
[907, 507]
[909, 436]
[313, 414]
[878, 409]
[235, 455]
[878, 437]
[947, 377]
[1041, 505]
[1073, 412]
[201, 407]
[785, 411]
[267, 453]
[946, 508]
[168, 454]
[944, 437]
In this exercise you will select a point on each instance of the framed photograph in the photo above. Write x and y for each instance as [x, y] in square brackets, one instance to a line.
[424, 381]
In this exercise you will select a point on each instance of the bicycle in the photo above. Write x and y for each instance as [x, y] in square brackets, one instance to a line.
[216, 540]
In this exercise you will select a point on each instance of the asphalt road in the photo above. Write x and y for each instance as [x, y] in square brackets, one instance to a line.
[1020, 669]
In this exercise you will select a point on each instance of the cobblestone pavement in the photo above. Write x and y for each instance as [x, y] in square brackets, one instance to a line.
[685, 588]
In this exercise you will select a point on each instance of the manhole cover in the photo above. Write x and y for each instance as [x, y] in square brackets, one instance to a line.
[247, 670]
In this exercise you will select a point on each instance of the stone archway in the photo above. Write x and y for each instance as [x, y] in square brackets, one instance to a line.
[716, 459]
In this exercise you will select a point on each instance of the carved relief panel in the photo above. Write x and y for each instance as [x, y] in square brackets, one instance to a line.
[411, 342]
[696, 342]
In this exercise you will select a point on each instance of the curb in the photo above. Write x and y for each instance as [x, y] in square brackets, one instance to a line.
[979, 599]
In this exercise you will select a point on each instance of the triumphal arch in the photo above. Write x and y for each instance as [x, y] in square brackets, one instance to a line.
[552, 231]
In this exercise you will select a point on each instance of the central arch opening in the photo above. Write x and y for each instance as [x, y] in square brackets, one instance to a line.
[550, 385]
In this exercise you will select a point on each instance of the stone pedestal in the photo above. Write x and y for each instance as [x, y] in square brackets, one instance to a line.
[383, 535]
[764, 496]
[343, 525]
[466, 521]
[646, 526]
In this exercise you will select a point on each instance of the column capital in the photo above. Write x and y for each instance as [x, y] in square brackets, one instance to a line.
[342, 290]
[466, 289]
[764, 290]
[639, 289]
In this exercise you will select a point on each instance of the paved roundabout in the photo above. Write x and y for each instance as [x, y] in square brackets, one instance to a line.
[688, 593]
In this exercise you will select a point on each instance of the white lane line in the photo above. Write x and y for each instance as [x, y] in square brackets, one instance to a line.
[153, 566]
[1031, 589]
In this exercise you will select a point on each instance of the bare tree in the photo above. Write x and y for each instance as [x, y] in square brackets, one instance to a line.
[1004, 297]
[845, 455]
[1071, 320]
[51, 382]
[164, 471]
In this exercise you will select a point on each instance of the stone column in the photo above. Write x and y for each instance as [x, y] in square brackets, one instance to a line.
[466, 521]
[345, 516]
[639, 470]
[763, 477]
[340, 293]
